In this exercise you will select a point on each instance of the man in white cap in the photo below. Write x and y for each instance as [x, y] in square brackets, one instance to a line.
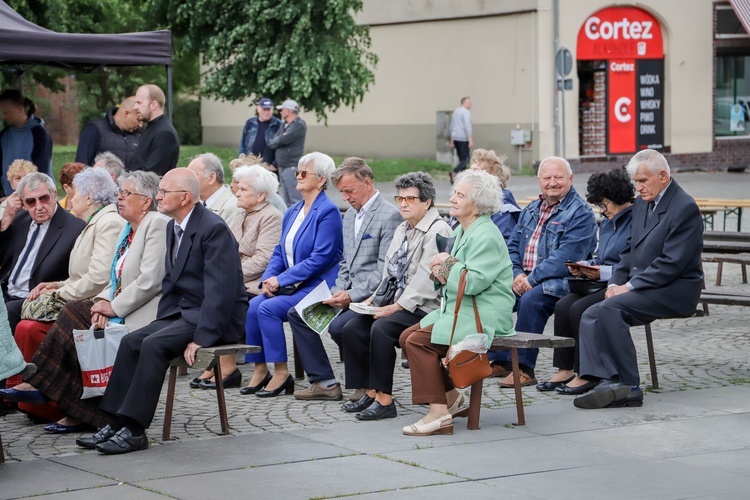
[289, 143]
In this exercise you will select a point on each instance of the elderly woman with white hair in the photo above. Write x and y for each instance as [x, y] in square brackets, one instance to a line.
[257, 229]
[90, 259]
[308, 252]
[479, 249]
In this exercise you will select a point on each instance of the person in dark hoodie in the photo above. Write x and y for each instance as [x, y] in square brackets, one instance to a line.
[118, 132]
[24, 136]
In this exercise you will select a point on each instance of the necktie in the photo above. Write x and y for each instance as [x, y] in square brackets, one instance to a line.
[26, 253]
[650, 210]
[204, 204]
[177, 238]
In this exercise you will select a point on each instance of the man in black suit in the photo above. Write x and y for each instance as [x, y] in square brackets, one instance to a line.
[36, 237]
[203, 304]
[659, 276]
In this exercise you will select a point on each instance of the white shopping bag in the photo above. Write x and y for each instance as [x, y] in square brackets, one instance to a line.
[97, 350]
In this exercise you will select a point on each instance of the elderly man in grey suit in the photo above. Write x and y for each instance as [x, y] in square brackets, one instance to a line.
[659, 276]
[368, 230]
[215, 196]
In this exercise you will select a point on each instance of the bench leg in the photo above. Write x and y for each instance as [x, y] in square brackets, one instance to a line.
[651, 358]
[517, 386]
[718, 273]
[220, 398]
[744, 273]
[299, 370]
[2, 453]
[475, 405]
[167, 429]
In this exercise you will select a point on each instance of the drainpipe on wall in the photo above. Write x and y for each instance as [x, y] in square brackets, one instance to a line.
[556, 16]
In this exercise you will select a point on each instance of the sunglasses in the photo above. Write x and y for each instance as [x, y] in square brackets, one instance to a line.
[408, 199]
[31, 202]
[302, 174]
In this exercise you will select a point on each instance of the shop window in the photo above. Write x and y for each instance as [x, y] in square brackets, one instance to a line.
[732, 95]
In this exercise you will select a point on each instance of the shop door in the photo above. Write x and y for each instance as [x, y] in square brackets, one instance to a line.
[620, 53]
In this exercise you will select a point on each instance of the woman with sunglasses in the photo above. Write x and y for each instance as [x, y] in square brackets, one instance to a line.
[370, 341]
[308, 253]
[613, 193]
[136, 269]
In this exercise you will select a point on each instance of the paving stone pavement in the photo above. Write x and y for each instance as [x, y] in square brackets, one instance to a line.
[692, 354]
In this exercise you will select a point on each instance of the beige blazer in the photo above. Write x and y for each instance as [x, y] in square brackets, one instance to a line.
[257, 234]
[420, 291]
[88, 270]
[142, 274]
[225, 206]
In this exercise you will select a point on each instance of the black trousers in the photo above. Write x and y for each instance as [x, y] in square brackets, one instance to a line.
[462, 150]
[370, 349]
[140, 366]
[568, 313]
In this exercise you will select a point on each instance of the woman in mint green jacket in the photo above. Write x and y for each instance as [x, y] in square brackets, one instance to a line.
[479, 248]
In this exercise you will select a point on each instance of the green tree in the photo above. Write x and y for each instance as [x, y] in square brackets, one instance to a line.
[309, 50]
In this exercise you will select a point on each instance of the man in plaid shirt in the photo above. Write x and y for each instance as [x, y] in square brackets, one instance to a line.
[559, 227]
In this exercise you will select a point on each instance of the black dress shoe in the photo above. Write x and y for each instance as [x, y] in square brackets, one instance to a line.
[551, 386]
[575, 391]
[634, 398]
[376, 411]
[287, 387]
[101, 436]
[232, 381]
[58, 428]
[23, 396]
[357, 406]
[252, 389]
[604, 394]
[196, 382]
[123, 442]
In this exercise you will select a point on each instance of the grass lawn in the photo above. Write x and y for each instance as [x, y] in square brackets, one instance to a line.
[386, 169]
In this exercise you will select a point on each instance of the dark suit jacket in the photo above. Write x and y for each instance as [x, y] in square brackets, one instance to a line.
[662, 259]
[159, 148]
[51, 262]
[205, 283]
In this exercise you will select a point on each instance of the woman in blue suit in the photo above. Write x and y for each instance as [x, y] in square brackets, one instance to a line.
[308, 253]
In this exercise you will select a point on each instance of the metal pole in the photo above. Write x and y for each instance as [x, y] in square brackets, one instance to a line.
[562, 125]
[169, 91]
[556, 14]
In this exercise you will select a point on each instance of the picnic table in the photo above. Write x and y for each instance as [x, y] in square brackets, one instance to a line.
[726, 206]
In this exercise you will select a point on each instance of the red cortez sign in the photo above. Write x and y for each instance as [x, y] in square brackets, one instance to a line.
[620, 33]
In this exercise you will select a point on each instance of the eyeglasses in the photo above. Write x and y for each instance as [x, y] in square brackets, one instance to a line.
[126, 194]
[31, 202]
[301, 173]
[408, 199]
[162, 192]
[602, 206]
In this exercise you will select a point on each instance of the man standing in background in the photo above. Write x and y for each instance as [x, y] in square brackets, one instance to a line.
[289, 143]
[118, 132]
[159, 147]
[461, 135]
[258, 131]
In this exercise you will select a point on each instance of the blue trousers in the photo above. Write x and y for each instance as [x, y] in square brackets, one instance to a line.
[265, 325]
[310, 346]
[534, 309]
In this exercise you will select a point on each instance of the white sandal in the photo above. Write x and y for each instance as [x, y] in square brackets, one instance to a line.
[443, 425]
[453, 409]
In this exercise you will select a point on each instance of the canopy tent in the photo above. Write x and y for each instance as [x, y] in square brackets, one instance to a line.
[24, 44]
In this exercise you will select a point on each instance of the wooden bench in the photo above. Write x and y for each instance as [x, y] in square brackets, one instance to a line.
[520, 340]
[720, 259]
[206, 358]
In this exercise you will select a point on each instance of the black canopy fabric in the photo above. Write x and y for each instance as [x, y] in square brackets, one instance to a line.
[24, 43]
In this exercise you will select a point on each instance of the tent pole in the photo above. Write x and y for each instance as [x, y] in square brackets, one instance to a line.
[169, 90]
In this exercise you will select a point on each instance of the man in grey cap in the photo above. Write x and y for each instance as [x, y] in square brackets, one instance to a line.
[258, 131]
[289, 143]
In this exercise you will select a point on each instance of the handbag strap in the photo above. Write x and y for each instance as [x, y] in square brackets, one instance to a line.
[459, 299]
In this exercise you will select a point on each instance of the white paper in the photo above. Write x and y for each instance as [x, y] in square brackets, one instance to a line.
[317, 316]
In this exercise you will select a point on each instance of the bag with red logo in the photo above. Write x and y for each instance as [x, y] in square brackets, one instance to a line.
[97, 350]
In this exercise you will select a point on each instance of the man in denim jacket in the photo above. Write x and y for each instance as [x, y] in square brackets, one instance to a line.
[559, 227]
[257, 144]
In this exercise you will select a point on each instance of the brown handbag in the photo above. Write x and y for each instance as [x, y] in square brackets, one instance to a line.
[466, 367]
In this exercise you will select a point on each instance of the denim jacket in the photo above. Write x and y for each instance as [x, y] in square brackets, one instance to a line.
[248, 138]
[569, 235]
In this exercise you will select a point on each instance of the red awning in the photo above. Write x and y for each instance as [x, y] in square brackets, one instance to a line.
[742, 9]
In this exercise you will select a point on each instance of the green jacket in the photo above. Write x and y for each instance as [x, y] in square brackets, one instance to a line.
[483, 253]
